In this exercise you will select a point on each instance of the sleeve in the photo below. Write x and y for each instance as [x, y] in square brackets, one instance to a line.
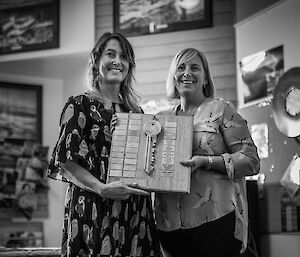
[241, 159]
[71, 144]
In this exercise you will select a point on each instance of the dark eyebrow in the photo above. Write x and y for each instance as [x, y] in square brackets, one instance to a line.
[196, 64]
[108, 49]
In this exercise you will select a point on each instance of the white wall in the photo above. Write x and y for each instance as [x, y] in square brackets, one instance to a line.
[277, 25]
[76, 31]
[51, 106]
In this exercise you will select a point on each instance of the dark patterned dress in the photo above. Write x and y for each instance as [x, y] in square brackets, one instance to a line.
[95, 226]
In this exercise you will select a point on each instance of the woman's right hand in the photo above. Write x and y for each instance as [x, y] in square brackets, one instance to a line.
[120, 190]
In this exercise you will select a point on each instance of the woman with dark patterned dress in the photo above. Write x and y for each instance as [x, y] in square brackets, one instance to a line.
[101, 219]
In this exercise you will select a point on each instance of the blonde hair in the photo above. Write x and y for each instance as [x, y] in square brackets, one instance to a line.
[183, 56]
[127, 93]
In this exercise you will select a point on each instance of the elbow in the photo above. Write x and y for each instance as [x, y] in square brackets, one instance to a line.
[65, 171]
[255, 164]
[247, 166]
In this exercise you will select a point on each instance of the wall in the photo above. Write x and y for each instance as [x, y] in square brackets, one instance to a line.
[76, 36]
[276, 25]
[154, 52]
[246, 8]
[52, 103]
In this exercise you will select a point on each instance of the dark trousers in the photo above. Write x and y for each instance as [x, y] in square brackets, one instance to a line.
[212, 239]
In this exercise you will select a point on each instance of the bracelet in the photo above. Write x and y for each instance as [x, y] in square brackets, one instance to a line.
[209, 163]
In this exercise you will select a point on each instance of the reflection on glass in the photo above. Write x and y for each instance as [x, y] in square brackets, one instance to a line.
[260, 74]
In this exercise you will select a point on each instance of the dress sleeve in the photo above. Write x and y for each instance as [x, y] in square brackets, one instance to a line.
[71, 144]
[241, 159]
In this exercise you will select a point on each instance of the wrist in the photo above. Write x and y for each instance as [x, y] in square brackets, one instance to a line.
[209, 162]
[101, 189]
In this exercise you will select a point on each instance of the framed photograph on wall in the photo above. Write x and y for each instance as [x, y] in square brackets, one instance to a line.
[20, 112]
[134, 18]
[28, 25]
[259, 76]
[20, 121]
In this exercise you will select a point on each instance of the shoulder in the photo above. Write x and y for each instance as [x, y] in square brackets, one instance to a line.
[221, 104]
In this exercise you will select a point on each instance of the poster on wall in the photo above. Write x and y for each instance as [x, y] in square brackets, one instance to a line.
[260, 73]
[134, 18]
[28, 25]
[20, 130]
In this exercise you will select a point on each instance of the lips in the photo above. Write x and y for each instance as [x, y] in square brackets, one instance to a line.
[187, 82]
[115, 69]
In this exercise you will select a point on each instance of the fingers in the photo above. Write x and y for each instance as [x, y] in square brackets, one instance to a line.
[134, 184]
[120, 190]
[137, 191]
[189, 163]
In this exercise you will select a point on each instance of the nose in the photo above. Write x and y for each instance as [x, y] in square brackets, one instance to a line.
[117, 59]
[186, 72]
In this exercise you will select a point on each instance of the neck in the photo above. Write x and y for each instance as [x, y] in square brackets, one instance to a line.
[110, 92]
[190, 104]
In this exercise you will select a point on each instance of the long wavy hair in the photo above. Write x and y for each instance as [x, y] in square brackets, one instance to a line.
[129, 96]
[184, 56]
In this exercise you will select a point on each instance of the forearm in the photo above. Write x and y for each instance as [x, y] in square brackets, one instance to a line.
[81, 177]
[235, 165]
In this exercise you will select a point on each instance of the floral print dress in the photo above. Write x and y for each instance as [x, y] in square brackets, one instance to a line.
[95, 226]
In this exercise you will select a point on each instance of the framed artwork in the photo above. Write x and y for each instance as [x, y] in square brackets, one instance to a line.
[20, 120]
[20, 112]
[28, 25]
[134, 18]
[259, 76]
[21, 234]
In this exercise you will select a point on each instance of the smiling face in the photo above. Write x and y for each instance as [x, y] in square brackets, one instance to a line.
[190, 77]
[113, 65]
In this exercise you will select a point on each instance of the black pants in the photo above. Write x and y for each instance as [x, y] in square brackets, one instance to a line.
[212, 239]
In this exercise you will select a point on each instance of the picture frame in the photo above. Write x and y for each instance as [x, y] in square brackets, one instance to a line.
[28, 25]
[135, 18]
[258, 76]
[21, 234]
[21, 112]
[20, 120]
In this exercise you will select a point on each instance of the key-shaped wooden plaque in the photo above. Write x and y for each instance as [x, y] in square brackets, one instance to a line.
[147, 149]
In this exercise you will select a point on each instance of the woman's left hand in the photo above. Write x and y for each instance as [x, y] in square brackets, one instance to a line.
[195, 162]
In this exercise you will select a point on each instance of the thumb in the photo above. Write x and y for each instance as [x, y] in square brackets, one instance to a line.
[189, 163]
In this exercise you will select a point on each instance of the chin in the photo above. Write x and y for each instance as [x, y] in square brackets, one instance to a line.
[114, 79]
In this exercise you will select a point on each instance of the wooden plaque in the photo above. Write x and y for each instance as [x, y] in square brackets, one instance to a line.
[173, 144]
